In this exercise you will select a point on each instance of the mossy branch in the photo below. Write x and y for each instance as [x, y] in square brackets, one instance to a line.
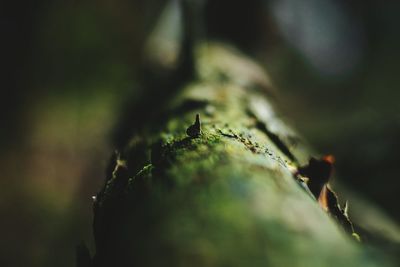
[225, 194]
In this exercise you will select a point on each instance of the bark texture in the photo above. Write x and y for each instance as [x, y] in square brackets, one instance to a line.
[226, 196]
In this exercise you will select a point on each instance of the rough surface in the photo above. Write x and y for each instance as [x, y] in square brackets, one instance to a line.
[225, 197]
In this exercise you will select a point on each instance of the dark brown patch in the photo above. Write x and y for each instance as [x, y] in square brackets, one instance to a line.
[318, 171]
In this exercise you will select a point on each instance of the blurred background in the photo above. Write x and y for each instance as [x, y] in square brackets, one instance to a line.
[72, 69]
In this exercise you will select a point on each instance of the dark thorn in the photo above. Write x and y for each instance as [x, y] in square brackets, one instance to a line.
[195, 129]
[318, 172]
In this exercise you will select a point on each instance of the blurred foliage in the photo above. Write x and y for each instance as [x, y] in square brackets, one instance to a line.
[70, 68]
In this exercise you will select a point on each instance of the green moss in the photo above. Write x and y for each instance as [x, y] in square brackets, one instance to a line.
[224, 198]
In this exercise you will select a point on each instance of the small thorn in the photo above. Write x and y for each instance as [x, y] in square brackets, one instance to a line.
[197, 122]
[194, 130]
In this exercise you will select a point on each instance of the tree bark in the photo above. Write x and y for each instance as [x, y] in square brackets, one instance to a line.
[222, 194]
